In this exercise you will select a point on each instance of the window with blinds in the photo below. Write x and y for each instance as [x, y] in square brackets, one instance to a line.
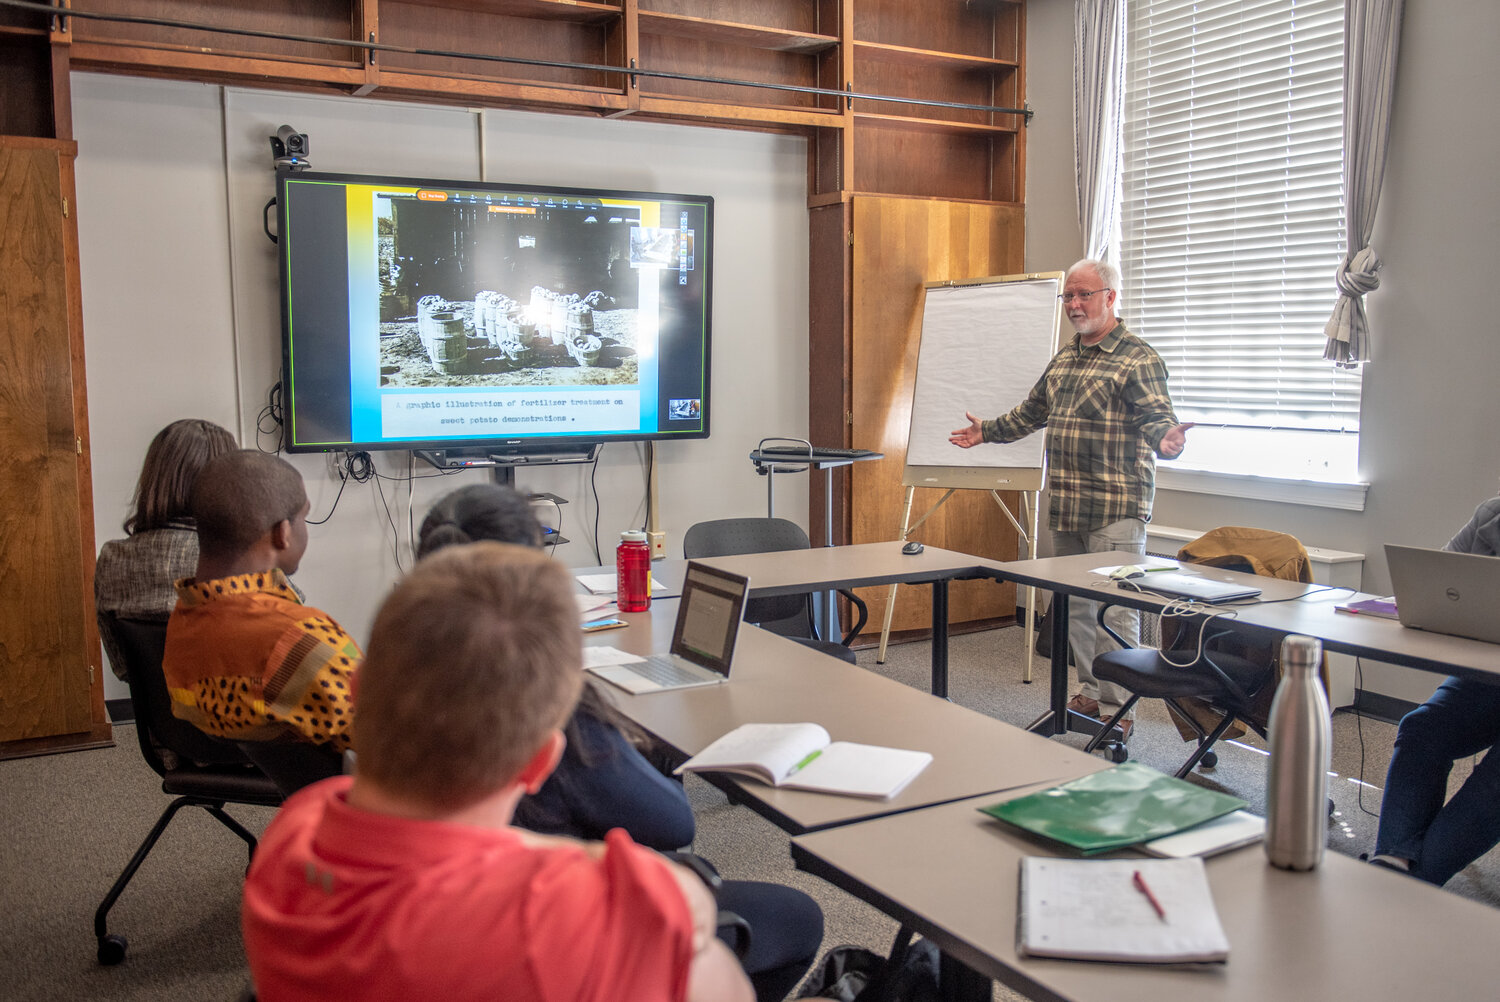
[1231, 208]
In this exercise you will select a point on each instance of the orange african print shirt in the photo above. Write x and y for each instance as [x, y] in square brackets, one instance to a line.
[246, 660]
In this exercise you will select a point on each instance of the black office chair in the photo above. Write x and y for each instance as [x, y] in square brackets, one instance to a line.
[1234, 678]
[198, 770]
[787, 615]
[293, 764]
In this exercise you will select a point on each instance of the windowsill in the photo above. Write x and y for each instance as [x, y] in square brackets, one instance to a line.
[1290, 465]
[1315, 493]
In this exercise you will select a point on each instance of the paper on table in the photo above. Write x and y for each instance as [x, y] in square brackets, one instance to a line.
[1232, 831]
[606, 584]
[589, 606]
[598, 657]
[1092, 909]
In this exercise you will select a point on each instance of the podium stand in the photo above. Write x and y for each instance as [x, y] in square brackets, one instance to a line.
[794, 455]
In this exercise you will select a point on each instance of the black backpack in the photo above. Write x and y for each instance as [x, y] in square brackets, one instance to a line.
[854, 974]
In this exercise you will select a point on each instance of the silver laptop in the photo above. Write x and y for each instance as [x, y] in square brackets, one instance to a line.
[1198, 589]
[1446, 592]
[708, 623]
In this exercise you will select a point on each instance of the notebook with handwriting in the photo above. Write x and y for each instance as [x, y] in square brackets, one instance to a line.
[1139, 911]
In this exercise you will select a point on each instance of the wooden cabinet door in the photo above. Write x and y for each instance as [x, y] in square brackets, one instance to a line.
[48, 641]
[899, 244]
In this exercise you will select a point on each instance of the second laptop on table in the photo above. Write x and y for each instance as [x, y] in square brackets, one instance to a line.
[708, 624]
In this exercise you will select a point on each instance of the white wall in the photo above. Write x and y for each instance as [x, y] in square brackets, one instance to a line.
[180, 297]
[1427, 445]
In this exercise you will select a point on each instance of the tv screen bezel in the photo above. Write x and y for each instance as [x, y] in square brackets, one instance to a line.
[496, 445]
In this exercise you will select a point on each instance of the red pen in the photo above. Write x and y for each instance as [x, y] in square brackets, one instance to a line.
[1140, 885]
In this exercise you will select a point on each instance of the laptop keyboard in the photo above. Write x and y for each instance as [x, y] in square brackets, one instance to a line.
[661, 669]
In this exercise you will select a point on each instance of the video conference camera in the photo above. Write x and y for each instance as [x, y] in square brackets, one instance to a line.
[289, 149]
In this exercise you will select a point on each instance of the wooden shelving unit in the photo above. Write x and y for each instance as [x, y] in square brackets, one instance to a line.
[881, 167]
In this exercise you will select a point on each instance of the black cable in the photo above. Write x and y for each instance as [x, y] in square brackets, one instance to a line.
[594, 486]
[343, 482]
[650, 463]
[271, 412]
[390, 519]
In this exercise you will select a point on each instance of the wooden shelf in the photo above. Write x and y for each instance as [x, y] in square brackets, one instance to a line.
[908, 123]
[722, 111]
[580, 11]
[731, 33]
[908, 56]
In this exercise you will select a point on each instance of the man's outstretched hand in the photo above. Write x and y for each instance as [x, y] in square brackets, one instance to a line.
[967, 438]
[1174, 441]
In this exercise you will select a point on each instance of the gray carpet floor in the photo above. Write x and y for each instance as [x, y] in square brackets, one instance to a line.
[71, 822]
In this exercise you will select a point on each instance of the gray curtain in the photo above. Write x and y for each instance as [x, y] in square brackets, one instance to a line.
[1372, 36]
[1098, 86]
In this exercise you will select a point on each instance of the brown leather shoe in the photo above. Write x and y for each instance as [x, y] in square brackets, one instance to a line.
[1125, 726]
[1084, 705]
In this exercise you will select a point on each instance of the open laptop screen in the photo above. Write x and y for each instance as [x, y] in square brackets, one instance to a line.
[708, 618]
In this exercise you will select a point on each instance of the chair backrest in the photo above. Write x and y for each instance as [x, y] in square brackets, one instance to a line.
[1264, 552]
[142, 643]
[1257, 551]
[788, 615]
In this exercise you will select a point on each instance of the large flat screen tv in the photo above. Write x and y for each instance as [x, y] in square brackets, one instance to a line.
[476, 316]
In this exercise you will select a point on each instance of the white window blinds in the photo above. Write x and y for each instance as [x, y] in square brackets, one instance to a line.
[1231, 209]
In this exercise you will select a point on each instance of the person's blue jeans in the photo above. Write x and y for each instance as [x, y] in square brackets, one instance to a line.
[1084, 636]
[1461, 719]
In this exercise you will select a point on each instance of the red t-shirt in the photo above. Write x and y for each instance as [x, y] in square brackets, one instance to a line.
[344, 903]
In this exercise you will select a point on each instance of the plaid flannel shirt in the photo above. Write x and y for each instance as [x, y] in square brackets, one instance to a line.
[1105, 407]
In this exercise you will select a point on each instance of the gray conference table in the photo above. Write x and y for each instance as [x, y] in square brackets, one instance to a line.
[1283, 607]
[774, 680]
[1346, 930]
[825, 568]
[790, 572]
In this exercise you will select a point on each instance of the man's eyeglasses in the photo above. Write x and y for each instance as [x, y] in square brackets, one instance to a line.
[1082, 297]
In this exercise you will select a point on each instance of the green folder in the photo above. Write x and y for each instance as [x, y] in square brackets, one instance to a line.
[1118, 807]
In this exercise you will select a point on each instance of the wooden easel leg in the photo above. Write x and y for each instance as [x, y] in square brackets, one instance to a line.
[1030, 503]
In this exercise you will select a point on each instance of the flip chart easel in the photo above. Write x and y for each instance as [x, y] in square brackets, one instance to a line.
[984, 343]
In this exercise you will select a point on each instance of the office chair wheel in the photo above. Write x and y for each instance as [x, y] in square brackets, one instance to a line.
[1209, 760]
[1118, 752]
[112, 949]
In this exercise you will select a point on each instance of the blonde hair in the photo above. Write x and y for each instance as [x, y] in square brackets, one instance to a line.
[475, 657]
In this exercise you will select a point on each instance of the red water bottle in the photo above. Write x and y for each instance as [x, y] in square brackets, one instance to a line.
[633, 572]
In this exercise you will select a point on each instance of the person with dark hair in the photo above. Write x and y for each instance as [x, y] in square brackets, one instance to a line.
[604, 780]
[407, 880]
[134, 576]
[1419, 832]
[245, 659]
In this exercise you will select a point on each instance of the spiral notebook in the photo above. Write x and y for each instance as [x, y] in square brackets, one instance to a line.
[1138, 911]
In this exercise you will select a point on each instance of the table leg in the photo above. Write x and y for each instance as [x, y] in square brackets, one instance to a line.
[1055, 720]
[958, 982]
[940, 638]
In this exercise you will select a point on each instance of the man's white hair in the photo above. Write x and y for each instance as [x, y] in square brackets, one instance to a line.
[1108, 274]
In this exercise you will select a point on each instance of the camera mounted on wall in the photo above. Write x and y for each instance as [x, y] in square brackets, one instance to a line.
[289, 149]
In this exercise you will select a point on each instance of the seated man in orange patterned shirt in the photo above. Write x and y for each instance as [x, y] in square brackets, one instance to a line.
[245, 659]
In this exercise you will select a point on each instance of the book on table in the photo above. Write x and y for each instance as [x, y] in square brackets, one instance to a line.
[1385, 608]
[1222, 834]
[805, 757]
[1142, 911]
[1123, 806]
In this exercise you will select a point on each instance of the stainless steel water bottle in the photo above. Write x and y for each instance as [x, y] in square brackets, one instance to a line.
[1301, 741]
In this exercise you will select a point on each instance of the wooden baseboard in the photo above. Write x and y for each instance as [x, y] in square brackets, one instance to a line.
[100, 736]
